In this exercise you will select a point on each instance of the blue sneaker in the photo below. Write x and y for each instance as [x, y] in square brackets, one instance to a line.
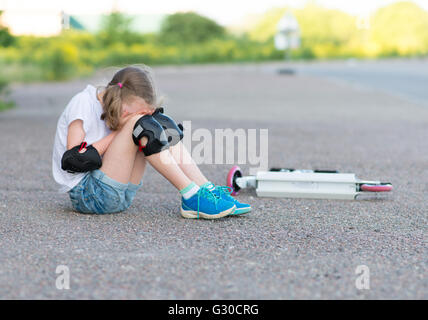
[224, 192]
[205, 204]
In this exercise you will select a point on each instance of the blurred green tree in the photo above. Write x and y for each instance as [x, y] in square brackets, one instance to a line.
[116, 28]
[266, 26]
[6, 39]
[400, 29]
[189, 27]
[323, 31]
[4, 92]
[3, 87]
[59, 60]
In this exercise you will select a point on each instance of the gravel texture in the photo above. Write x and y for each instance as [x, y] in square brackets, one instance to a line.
[284, 249]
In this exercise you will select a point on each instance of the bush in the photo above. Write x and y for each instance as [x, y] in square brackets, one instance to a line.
[190, 38]
[3, 86]
[6, 39]
[3, 94]
[407, 35]
[59, 61]
[189, 27]
[399, 29]
[68, 55]
[116, 28]
[323, 31]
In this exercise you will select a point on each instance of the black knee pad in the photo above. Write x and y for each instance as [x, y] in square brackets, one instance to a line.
[173, 131]
[148, 127]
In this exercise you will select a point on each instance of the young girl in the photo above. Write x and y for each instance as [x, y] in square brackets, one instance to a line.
[104, 139]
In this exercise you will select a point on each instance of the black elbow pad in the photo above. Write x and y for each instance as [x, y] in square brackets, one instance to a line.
[73, 161]
[148, 127]
[173, 132]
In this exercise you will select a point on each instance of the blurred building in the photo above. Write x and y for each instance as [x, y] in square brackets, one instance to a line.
[33, 22]
[52, 22]
[143, 23]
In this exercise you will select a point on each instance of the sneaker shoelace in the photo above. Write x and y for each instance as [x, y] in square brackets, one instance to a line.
[206, 193]
[226, 191]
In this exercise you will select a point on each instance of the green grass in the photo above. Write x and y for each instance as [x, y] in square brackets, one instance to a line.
[6, 105]
[21, 73]
[4, 93]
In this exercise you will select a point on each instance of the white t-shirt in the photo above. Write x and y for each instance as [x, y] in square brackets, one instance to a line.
[84, 106]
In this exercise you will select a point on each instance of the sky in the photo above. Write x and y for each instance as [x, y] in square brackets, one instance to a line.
[226, 12]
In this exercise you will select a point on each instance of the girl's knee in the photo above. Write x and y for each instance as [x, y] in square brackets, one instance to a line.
[130, 122]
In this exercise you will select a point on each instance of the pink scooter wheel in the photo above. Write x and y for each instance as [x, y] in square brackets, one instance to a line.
[376, 187]
[231, 176]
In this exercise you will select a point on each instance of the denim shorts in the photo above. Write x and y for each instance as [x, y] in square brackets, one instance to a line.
[98, 193]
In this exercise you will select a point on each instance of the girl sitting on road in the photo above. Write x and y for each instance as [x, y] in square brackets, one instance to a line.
[104, 139]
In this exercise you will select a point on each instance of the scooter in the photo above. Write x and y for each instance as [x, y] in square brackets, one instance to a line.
[312, 184]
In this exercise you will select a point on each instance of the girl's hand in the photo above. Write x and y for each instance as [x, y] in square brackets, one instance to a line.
[124, 119]
[127, 115]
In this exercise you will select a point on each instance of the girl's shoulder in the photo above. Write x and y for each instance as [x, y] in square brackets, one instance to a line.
[83, 105]
[86, 97]
[89, 93]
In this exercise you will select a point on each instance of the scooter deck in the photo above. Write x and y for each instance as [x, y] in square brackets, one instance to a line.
[307, 185]
[312, 184]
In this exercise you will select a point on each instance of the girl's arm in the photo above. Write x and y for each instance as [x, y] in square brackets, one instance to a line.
[103, 144]
[76, 136]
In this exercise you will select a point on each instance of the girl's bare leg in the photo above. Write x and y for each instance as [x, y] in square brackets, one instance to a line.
[165, 164]
[139, 168]
[187, 164]
[119, 159]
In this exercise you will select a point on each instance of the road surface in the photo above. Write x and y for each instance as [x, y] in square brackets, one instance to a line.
[285, 248]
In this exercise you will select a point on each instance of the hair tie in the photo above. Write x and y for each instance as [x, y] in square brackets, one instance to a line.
[120, 85]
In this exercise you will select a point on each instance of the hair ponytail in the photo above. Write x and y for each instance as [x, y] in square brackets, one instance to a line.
[112, 107]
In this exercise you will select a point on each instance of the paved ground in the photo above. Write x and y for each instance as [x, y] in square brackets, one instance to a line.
[402, 78]
[286, 248]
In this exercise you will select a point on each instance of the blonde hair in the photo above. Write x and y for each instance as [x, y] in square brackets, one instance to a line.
[127, 83]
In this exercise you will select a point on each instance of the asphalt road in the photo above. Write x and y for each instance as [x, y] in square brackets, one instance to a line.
[404, 79]
[284, 249]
